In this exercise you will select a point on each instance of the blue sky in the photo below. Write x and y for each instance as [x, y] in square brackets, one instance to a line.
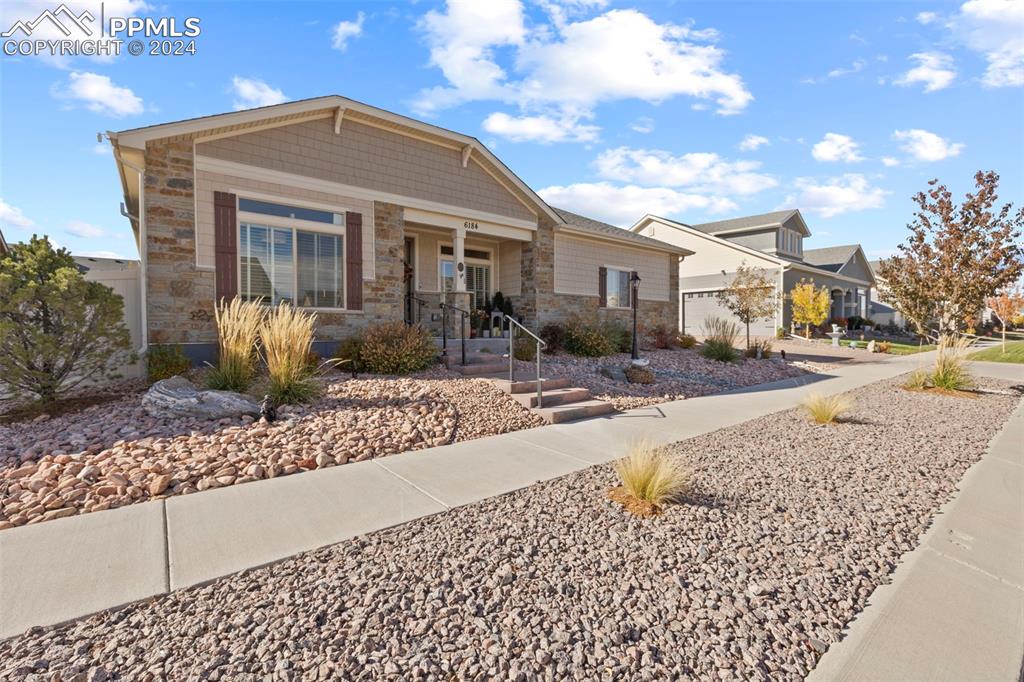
[694, 110]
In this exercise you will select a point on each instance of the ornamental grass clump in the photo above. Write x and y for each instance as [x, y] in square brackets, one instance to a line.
[650, 479]
[826, 409]
[719, 339]
[950, 370]
[287, 341]
[238, 328]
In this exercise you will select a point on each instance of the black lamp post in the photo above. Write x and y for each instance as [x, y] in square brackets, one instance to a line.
[634, 286]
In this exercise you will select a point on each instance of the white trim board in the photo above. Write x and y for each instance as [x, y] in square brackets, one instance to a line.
[246, 171]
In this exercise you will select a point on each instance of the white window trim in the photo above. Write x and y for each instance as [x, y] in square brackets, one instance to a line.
[629, 294]
[493, 262]
[295, 225]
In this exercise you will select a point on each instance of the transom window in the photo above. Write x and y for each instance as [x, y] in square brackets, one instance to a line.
[617, 288]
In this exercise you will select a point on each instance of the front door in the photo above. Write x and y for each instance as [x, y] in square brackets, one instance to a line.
[409, 264]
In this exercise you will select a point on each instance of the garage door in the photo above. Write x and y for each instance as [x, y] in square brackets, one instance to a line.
[697, 306]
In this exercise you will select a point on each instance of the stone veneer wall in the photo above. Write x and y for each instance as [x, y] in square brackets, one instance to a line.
[180, 296]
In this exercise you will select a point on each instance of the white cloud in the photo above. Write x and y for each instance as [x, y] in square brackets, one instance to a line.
[252, 92]
[12, 215]
[890, 161]
[543, 129]
[926, 146]
[700, 172]
[836, 147]
[99, 94]
[834, 196]
[751, 143]
[80, 228]
[102, 149]
[570, 65]
[934, 69]
[624, 205]
[856, 66]
[644, 124]
[926, 18]
[994, 28]
[102, 253]
[345, 30]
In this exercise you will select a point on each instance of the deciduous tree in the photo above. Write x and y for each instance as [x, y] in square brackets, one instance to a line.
[57, 330]
[1007, 306]
[810, 304]
[956, 255]
[750, 296]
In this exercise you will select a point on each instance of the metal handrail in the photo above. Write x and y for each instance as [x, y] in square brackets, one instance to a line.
[511, 356]
[419, 301]
[444, 329]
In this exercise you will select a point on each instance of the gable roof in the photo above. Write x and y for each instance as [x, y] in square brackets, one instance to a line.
[129, 144]
[773, 219]
[683, 227]
[831, 258]
[596, 227]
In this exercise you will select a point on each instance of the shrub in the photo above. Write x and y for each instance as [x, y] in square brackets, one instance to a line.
[780, 333]
[57, 330]
[950, 370]
[639, 375]
[763, 345]
[287, 339]
[238, 327]
[525, 349]
[588, 341]
[553, 334]
[347, 353]
[618, 334]
[883, 346]
[717, 329]
[686, 341]
[650, 476]
[720, 351]
[826, 409]
[164, 362]
[662, 336]
[397, 348]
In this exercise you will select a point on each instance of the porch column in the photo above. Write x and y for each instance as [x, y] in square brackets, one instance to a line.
[460, 259]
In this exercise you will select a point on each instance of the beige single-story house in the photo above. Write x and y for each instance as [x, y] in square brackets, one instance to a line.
[772, 242]
[363, 216]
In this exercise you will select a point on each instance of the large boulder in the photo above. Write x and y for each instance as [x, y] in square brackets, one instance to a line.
[179, 397]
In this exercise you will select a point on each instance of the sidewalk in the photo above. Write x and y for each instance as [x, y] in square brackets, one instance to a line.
[65, 569]
[955, 607]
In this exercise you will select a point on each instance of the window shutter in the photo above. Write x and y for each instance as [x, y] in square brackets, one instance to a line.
[354, 261]
[634, 293]
[225, 250]
[602, 286]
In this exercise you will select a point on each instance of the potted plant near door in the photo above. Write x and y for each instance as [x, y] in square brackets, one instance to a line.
[508, 310]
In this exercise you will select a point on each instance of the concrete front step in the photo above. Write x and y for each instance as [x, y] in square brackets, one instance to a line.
[531, 385]
[573, 411]
[558, 396]
[478, 368]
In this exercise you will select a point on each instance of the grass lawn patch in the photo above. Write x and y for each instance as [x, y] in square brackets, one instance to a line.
[895, 347]
[1014, 353]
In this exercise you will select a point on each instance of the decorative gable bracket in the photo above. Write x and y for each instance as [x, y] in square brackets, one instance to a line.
[466, 151]
[338, 116]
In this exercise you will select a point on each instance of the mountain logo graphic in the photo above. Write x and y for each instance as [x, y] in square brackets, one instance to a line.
[75, 20]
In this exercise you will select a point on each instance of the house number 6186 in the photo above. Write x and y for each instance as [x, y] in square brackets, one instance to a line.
[470, 225]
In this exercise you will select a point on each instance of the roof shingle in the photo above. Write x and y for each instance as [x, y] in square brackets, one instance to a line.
[597, 227]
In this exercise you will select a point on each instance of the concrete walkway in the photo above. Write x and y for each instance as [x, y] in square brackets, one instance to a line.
[955, 607]
[65, 569]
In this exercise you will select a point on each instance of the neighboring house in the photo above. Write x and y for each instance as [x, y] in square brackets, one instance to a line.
[359, 214]
[882, 311]
[772, 242]
[121, 275]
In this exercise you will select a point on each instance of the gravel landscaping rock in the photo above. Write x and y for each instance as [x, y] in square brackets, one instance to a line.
[679, 373]
[117, 453]
[790, 528]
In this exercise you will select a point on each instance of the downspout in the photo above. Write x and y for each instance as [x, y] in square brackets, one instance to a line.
[141, 221]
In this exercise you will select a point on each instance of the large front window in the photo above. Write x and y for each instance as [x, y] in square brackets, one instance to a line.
[617, 288]
[293, 254]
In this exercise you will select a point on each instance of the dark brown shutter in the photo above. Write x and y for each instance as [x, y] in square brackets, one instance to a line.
[354, 261]
[634, 293]
[602, 286]
[225, 239]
